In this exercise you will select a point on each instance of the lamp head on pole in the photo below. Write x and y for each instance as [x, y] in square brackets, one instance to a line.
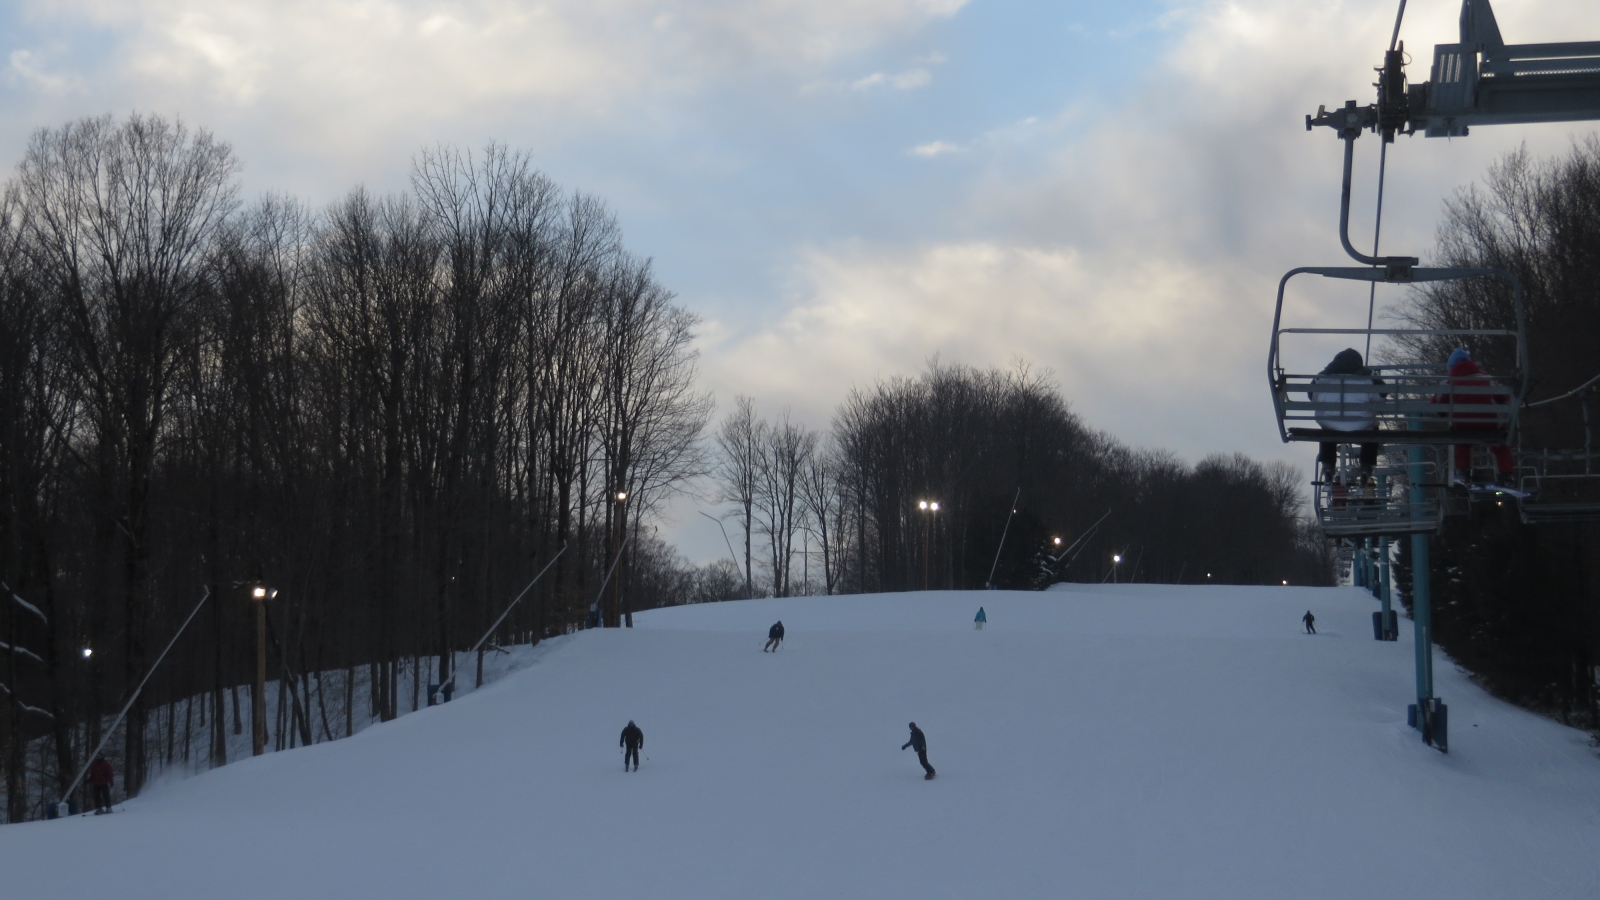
[87, 652]
[922, 505]
[621, 496]
[1116, 558]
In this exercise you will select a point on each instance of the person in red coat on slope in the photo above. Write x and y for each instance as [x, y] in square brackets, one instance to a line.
[101, 777]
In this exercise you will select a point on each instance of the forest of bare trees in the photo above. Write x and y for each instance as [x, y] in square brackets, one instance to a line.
[1519, 604]
[393, 411]
[388, 414]
[855, 507]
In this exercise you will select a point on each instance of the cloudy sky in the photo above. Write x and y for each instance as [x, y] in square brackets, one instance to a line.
[844, 188]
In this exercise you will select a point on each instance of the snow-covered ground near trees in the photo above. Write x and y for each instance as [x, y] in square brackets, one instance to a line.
[1101, 742]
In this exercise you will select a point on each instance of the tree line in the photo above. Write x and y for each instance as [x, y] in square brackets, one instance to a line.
[1518, 604]
[963, 478]
[392, 411]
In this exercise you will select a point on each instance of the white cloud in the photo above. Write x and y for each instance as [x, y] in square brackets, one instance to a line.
[911, 79]
[1112, 327]
[26, 67]
[908, 80]
[355, 74]
[936, 148]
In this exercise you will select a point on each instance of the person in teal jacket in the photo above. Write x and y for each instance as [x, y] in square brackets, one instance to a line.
[980, 619]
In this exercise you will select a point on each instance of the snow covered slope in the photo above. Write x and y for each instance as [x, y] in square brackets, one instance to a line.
[1110, 742]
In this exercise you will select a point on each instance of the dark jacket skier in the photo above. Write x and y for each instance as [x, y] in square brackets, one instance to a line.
[774, 637]
[632, 740]
[1329, 388]
[101, 777]
[1311, 622]
[919, 743]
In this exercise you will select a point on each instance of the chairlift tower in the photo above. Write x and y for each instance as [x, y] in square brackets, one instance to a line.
[1480, 80]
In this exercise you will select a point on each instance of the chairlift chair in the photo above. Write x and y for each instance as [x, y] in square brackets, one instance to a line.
[1417, 402]
[1563, 485]
[1344, 511]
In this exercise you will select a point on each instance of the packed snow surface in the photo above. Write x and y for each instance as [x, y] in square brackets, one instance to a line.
[1100, 742]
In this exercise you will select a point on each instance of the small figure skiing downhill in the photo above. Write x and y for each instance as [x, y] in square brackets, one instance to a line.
[632, 740]
[980, 619]
[774, 637]
[919, 743]
[1311, 622]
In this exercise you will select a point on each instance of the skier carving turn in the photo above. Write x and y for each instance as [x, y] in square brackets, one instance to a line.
[919, 743]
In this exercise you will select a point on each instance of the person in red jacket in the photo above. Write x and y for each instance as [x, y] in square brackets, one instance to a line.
[101, 778]
[1464, 372]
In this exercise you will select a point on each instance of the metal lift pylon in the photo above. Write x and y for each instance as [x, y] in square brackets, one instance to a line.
[1479, 80]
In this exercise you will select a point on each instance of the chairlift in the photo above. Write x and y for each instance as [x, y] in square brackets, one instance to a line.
[1344, 509]
[1563, 485]
[1480, 80]
[1415, 402]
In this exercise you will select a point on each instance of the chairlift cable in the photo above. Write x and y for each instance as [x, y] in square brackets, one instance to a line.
[1570, 393]
[1377, 227]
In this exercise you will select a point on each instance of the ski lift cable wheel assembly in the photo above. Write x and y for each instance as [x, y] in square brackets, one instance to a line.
[1480, 80]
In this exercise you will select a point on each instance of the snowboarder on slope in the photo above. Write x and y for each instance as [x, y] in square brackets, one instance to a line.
[919, 743]
[980, 619]
[774, 637]
[1311, 622]
[101, 778]
[632, 739]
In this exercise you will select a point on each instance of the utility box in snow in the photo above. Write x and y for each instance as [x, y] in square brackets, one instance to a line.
[60, 810]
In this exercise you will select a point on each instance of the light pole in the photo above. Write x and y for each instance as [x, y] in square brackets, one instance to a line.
[260, 594]
[1115, 559]
[928, 508]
